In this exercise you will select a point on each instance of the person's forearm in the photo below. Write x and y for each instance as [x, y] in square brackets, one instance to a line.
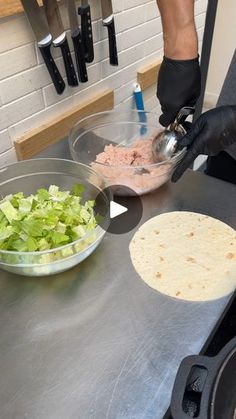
[179, 31]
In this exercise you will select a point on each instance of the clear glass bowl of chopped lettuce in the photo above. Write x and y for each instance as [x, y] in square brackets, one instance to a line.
[48, 217]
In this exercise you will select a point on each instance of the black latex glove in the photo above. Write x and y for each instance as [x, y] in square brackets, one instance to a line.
[212, 133]
[179, 84]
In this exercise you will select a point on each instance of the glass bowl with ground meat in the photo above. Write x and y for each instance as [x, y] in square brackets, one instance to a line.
[118, 145]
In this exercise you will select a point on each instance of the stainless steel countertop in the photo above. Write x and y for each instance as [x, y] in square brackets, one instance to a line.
[96, 342]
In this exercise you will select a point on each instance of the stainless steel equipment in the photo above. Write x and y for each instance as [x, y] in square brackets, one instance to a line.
[109, 22]
[165, 144]
[59, 38]
[39, 25]
[96, 342]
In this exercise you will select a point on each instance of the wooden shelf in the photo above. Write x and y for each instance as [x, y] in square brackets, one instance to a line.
[11, 7]
[148, 74]
[39, 139]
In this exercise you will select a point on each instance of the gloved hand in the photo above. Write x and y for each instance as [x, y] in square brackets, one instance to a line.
[212, 133]
[179, 84]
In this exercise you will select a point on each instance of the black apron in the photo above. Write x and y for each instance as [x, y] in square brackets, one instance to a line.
[223, 166]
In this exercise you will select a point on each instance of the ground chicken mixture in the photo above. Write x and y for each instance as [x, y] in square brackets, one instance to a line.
[130, 166]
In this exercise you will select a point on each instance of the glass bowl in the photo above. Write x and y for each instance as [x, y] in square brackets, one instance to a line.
[91, 135]
[30, 175]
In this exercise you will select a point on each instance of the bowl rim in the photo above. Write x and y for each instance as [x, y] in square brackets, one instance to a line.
[98, 229]
[38, 159]
[112, 111]
[171, 161]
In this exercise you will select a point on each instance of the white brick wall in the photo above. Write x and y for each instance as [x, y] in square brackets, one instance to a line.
[27, 96]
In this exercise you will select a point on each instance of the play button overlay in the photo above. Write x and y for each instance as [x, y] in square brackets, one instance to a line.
[116, 209]
[122, 205]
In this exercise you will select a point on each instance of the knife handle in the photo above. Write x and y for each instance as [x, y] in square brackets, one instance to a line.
[69, 66]
[87, 32]
[112, 40]
[79, 55]
[52, 68]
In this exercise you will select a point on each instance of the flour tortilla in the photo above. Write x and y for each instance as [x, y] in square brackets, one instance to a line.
[186, 255]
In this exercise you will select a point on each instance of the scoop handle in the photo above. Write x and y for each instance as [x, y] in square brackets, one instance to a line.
[183, 114]
[178, 125]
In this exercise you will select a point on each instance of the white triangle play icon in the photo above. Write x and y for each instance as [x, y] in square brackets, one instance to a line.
[116, 209]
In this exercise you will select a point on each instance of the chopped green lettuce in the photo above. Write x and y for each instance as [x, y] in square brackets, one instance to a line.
[46, 220]
[8, 210]
[78, 189]
[25, 205]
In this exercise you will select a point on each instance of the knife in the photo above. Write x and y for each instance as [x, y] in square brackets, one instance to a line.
[87, 33]
[77, 41]
[44, 39]
[109, 22]
[59, 38]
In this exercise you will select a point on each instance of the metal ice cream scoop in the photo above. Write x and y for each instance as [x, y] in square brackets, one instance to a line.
[165, 144]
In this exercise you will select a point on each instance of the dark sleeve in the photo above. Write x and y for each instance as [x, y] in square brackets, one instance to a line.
[228, 96]
[228, 92]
